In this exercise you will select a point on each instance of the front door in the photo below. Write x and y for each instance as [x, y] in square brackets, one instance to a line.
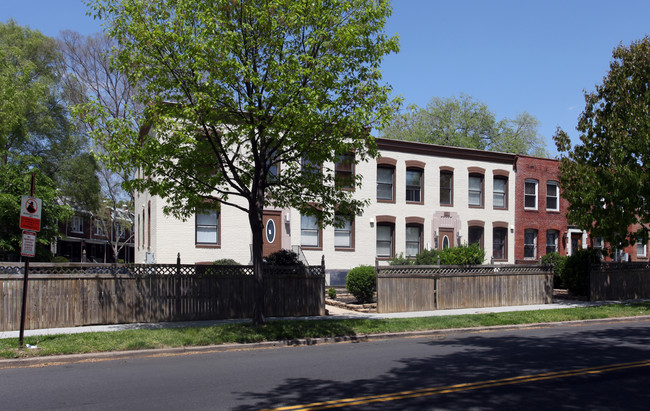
[576, 242]
[272, 232]
[446, 239]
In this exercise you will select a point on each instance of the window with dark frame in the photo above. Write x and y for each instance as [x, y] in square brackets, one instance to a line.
[343, 235]
[413, 185]
[500, 195]
[309, 231]
[475, 193]
[475, 235]
[413, 239]
[385, 183]
[207, 228]
[446, 187]
[385, 233]
[499, 243]
[344, 171]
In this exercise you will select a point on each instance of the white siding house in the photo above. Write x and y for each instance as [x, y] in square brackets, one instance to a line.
[422, 196]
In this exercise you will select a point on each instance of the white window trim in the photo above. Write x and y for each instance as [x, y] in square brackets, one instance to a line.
[534, 244]
[641, 247]
[557, 195]
[531, 181]
[77, 224]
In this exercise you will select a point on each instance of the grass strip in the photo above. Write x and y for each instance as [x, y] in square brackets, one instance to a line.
[282, 330]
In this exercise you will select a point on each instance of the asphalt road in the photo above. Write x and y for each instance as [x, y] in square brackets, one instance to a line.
[593, 366]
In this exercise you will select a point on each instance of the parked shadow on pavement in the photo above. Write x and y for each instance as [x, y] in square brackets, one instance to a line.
[489, 356]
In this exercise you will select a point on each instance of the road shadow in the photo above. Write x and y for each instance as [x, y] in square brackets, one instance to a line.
[477, 357]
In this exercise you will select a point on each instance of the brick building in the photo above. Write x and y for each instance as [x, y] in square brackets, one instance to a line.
[540, 212]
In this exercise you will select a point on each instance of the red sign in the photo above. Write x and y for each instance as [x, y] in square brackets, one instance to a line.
[29, 244]
[30, 213]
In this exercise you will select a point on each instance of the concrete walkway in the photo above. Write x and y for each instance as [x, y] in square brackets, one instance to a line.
[333, 313]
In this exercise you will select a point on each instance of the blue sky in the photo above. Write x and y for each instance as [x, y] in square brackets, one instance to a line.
[515, 56]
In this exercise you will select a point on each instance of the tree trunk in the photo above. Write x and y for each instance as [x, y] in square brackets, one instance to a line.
[257, 228]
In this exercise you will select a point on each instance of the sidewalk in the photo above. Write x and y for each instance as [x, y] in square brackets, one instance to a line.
[333, 313]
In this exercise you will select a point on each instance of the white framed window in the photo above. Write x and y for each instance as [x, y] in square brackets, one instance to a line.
[641, 249]
[207, 228]
[77, 224]
[598, 242]
[500, 196]
[309, 231]
[344, 236]
[99, 227]
[119, 230]
[530, 194]
[413, 185]
[385, 233]
[552, 196]
[385, 183]
[475, 194]
[551, 241]
[413, 239]
[530, 244]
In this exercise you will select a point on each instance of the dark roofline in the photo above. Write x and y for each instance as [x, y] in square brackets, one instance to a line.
[412, 147]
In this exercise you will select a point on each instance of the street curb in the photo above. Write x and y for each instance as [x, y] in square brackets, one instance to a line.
[160, 352]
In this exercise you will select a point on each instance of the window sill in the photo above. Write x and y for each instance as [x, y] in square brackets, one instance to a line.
[386, 201]
[343, 249]
[207, 245]
[311, 248]
[530, 209]
[501, 208]
[480, 207]
[446, 205]
[415, 202]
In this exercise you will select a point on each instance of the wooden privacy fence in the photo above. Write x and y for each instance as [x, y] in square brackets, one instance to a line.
[619, 281]
[424, 288]
[68, 295]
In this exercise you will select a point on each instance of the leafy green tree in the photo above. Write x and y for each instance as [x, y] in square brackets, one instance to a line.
[27, 76]
[15, 181]
[465, 122]
[35, 129]
[235, 87]
[605, 177]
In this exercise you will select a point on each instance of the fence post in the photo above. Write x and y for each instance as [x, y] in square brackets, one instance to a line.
[322, 264]
[178, 285]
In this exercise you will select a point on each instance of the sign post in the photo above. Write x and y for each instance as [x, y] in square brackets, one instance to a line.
[30, 219]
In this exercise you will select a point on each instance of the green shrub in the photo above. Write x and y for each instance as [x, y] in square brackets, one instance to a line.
[60, 259]
[331, 293]
[400, 260]
[466, 254]
[361, 282]
[427, 257]
[558, 261]
[575, 274]
[225, 261]
[283, 258]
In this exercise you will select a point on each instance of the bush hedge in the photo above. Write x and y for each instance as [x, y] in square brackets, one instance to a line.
[575, 274]
[361, 282]
[464, 254]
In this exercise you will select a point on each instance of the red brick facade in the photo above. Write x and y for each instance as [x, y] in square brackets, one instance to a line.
[532, 211]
